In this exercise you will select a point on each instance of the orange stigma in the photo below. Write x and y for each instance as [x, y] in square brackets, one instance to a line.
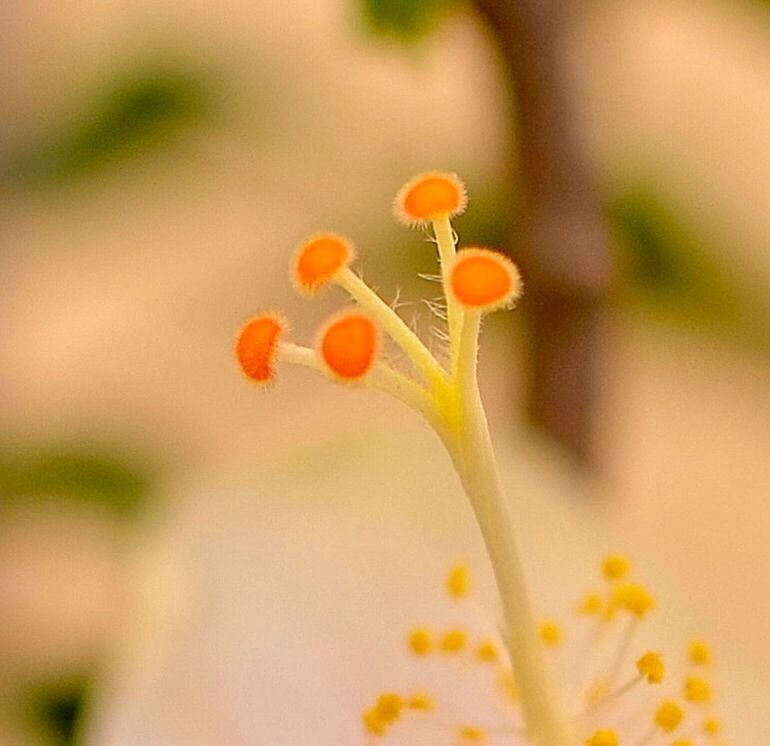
[348, 345]
[319, 259]
[428, 196]
[256, 345]
[484, 280]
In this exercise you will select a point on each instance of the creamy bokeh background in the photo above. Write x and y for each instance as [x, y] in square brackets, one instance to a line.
[297, 533]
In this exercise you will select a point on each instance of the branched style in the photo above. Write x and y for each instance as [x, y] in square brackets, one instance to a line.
[475, 281]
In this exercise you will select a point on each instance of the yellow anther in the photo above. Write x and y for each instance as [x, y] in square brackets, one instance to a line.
[458, 582]
[634, 598]
[472, 733]
[699, 653]
[454, 641]
[421, 641]
[420, 701]
[668, 716]
[697, 689]
[550, 633]
[487, 651]
[712, 726]
[603, 738]
[372, 722]
[615, 567]
[591, 604]
[596, 693]
[651, 666]
[682, 742]
[388, 707]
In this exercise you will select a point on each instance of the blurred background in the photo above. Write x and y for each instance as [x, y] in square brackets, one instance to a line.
[185, 560]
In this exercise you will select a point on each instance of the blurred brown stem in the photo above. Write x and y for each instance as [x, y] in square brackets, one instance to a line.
[563, 245]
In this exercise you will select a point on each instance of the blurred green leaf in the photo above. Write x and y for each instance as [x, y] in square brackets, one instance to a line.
[677, 275]
[71, 473]
[53, 708]
[135, 111]
[405, 19]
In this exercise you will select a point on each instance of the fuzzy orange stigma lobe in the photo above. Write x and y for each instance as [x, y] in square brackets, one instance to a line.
[319, 259]
[256, 346]
[429, 196]
[483, 280]
[348, 345]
